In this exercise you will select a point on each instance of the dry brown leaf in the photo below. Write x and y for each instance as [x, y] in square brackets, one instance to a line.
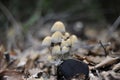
[10, 75]
[106, 62]
[116, 67]
[94, 59]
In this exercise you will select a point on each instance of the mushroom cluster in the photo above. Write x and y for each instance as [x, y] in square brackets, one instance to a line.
[60, 43]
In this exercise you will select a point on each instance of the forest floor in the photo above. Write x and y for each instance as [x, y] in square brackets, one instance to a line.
[100, 50]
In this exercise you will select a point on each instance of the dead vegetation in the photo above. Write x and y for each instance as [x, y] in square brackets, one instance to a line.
[39, 60]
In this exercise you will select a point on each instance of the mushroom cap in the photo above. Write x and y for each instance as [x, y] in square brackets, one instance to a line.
[63, 43]
[74, 42]
[56, 50]
[68, 42]
[58, 26]
[66, 35]
[65, 49]
[56, 37]
[74, 39]
[46, 41]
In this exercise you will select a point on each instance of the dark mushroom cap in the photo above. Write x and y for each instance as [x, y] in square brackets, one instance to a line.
[71, 67]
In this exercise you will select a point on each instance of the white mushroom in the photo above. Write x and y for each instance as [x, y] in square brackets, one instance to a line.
[63, 43]
[56, 37]
[68, 42]
[65, 50]
[58, 26]
[74, 39]
[47, 41]
[66, 35]
[74, 42]
[56, 50]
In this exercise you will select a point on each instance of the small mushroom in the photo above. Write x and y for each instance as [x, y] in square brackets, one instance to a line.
[68, 42]
[56, 37]
[74, 42]
[47, 41]
[56, 50]
[74, 39]
[66, 35]
[63, 43]
[58, 26]
[65, 50]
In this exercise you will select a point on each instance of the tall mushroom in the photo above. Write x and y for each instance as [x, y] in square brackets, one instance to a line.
[58, 26]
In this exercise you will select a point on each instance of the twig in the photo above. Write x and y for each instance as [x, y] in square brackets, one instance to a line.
[106, 53]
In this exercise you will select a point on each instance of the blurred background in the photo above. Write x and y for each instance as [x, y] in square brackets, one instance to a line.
[21, 20]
